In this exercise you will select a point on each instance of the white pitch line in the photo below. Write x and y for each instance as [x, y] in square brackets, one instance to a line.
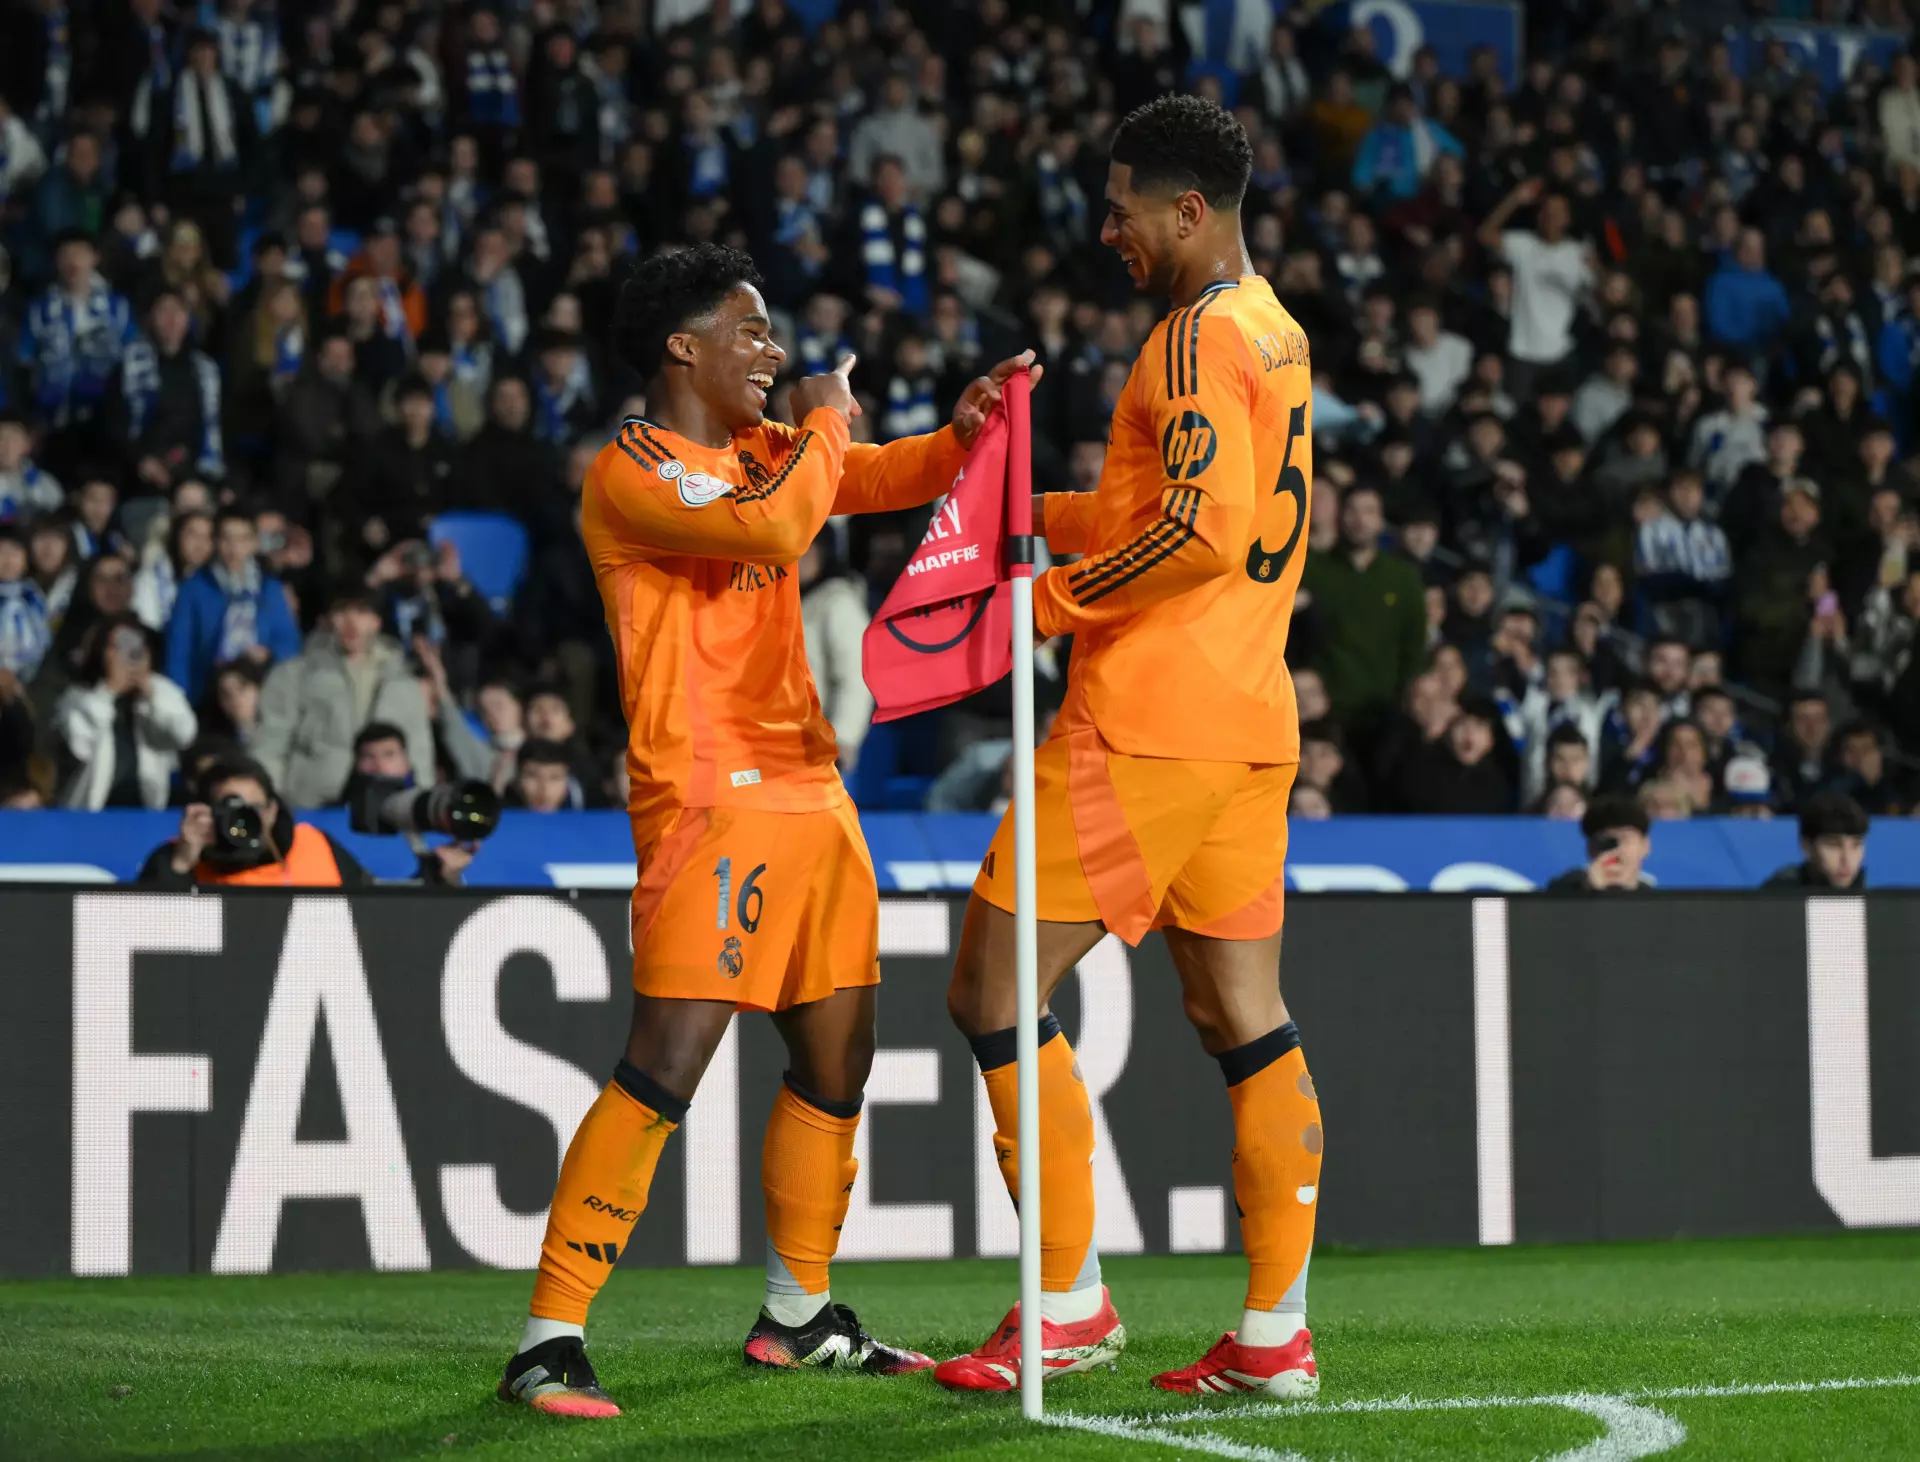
[1470, 1403]
[1633, 1430]
[1122, 1430]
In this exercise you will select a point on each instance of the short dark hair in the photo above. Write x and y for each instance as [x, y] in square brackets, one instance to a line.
[233, 513]
[1831, 815]
[1567, 734]
[1186, 144]
[375, 731]
[353, 597]
[1859, 727]
[538, 752]
[232, 769]
[1611, 813]
[667, 291]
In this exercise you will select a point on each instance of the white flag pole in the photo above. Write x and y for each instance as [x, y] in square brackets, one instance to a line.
[1025, 895]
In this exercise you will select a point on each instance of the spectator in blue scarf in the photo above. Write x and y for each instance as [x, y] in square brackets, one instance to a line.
[74, 336]
[230, 610]
[890, 244]
[25, 635]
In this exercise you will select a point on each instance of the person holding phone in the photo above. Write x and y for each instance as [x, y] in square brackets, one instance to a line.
[1616, 831]
[122, 725]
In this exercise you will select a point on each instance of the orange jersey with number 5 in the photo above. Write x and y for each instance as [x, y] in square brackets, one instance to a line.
[1194, 540]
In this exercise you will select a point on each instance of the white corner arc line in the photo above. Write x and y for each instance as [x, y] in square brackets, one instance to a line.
[1634, 1429]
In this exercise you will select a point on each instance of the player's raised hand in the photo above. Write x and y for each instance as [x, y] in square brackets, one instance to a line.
[970, 412]
[834, 389]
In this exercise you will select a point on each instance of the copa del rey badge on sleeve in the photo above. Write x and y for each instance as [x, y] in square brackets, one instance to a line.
[945, 629]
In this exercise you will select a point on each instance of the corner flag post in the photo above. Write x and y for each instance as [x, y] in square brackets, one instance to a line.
[1020, 554]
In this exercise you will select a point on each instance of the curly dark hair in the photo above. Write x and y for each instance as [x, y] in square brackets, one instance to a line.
[1186, 144]
[667, 291]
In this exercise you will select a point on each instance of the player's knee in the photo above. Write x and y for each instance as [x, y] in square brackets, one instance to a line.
[960, 1002]
[841, 1077]
[1205, 1017]
[674, 1052]
[855, 1065]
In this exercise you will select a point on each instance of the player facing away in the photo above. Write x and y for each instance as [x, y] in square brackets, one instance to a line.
[755, 888]
[1161, 795]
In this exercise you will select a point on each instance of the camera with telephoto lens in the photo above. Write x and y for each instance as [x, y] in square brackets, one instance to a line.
[388, 806]
[239, 836]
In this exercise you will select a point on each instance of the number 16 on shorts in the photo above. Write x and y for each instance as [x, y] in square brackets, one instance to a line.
[746, 912]
[766, 910]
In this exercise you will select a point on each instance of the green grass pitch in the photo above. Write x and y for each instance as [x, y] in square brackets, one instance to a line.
[1491, 1347]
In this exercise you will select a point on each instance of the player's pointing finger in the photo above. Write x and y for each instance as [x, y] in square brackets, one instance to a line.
[845, 368]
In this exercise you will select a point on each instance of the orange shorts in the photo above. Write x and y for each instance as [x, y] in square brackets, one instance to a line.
[1147, 842]
[763, 909]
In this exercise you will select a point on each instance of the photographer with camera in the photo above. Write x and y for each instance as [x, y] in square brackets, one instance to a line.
[239, 834]
[382, 772]
[122, 726]
[1616, 830]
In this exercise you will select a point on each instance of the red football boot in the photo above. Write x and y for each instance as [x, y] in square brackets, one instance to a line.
[1284, 1372]
[1065, 1349]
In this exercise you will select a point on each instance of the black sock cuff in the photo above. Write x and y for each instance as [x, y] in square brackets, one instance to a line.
[1002, 1048]
[649, 1093]
[1258, 1054]
[842, 1110]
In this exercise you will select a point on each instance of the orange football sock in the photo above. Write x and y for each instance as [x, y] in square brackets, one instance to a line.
[602, 1191]
[1276, 1164]
[807, 1170]
[1066, 1146]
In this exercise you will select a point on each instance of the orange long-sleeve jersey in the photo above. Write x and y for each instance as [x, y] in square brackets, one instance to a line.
[1195, 539]
[692, 548]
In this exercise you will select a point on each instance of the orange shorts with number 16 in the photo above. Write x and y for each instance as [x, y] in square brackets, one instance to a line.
[764, 910]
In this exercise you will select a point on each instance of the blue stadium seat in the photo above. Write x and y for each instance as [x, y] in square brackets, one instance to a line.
[493, 552]
[1556, 575]
[898, 762]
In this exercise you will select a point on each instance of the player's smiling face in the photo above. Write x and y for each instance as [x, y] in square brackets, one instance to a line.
[737, 361]
[1142, 228]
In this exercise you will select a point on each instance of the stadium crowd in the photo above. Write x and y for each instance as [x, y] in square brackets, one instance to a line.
[1615, 372]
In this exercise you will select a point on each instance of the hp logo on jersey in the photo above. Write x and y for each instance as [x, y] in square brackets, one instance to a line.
[1187, 447]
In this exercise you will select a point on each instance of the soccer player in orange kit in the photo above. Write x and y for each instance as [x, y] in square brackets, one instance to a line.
[1161, 795]
[755, 889]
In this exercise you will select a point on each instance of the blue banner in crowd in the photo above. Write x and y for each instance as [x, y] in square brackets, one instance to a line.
[1454, 30]
[1457, 28]
[915, 852]
[1829, 52]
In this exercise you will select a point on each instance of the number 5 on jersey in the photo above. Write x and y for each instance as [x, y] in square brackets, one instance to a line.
[1268, 566]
